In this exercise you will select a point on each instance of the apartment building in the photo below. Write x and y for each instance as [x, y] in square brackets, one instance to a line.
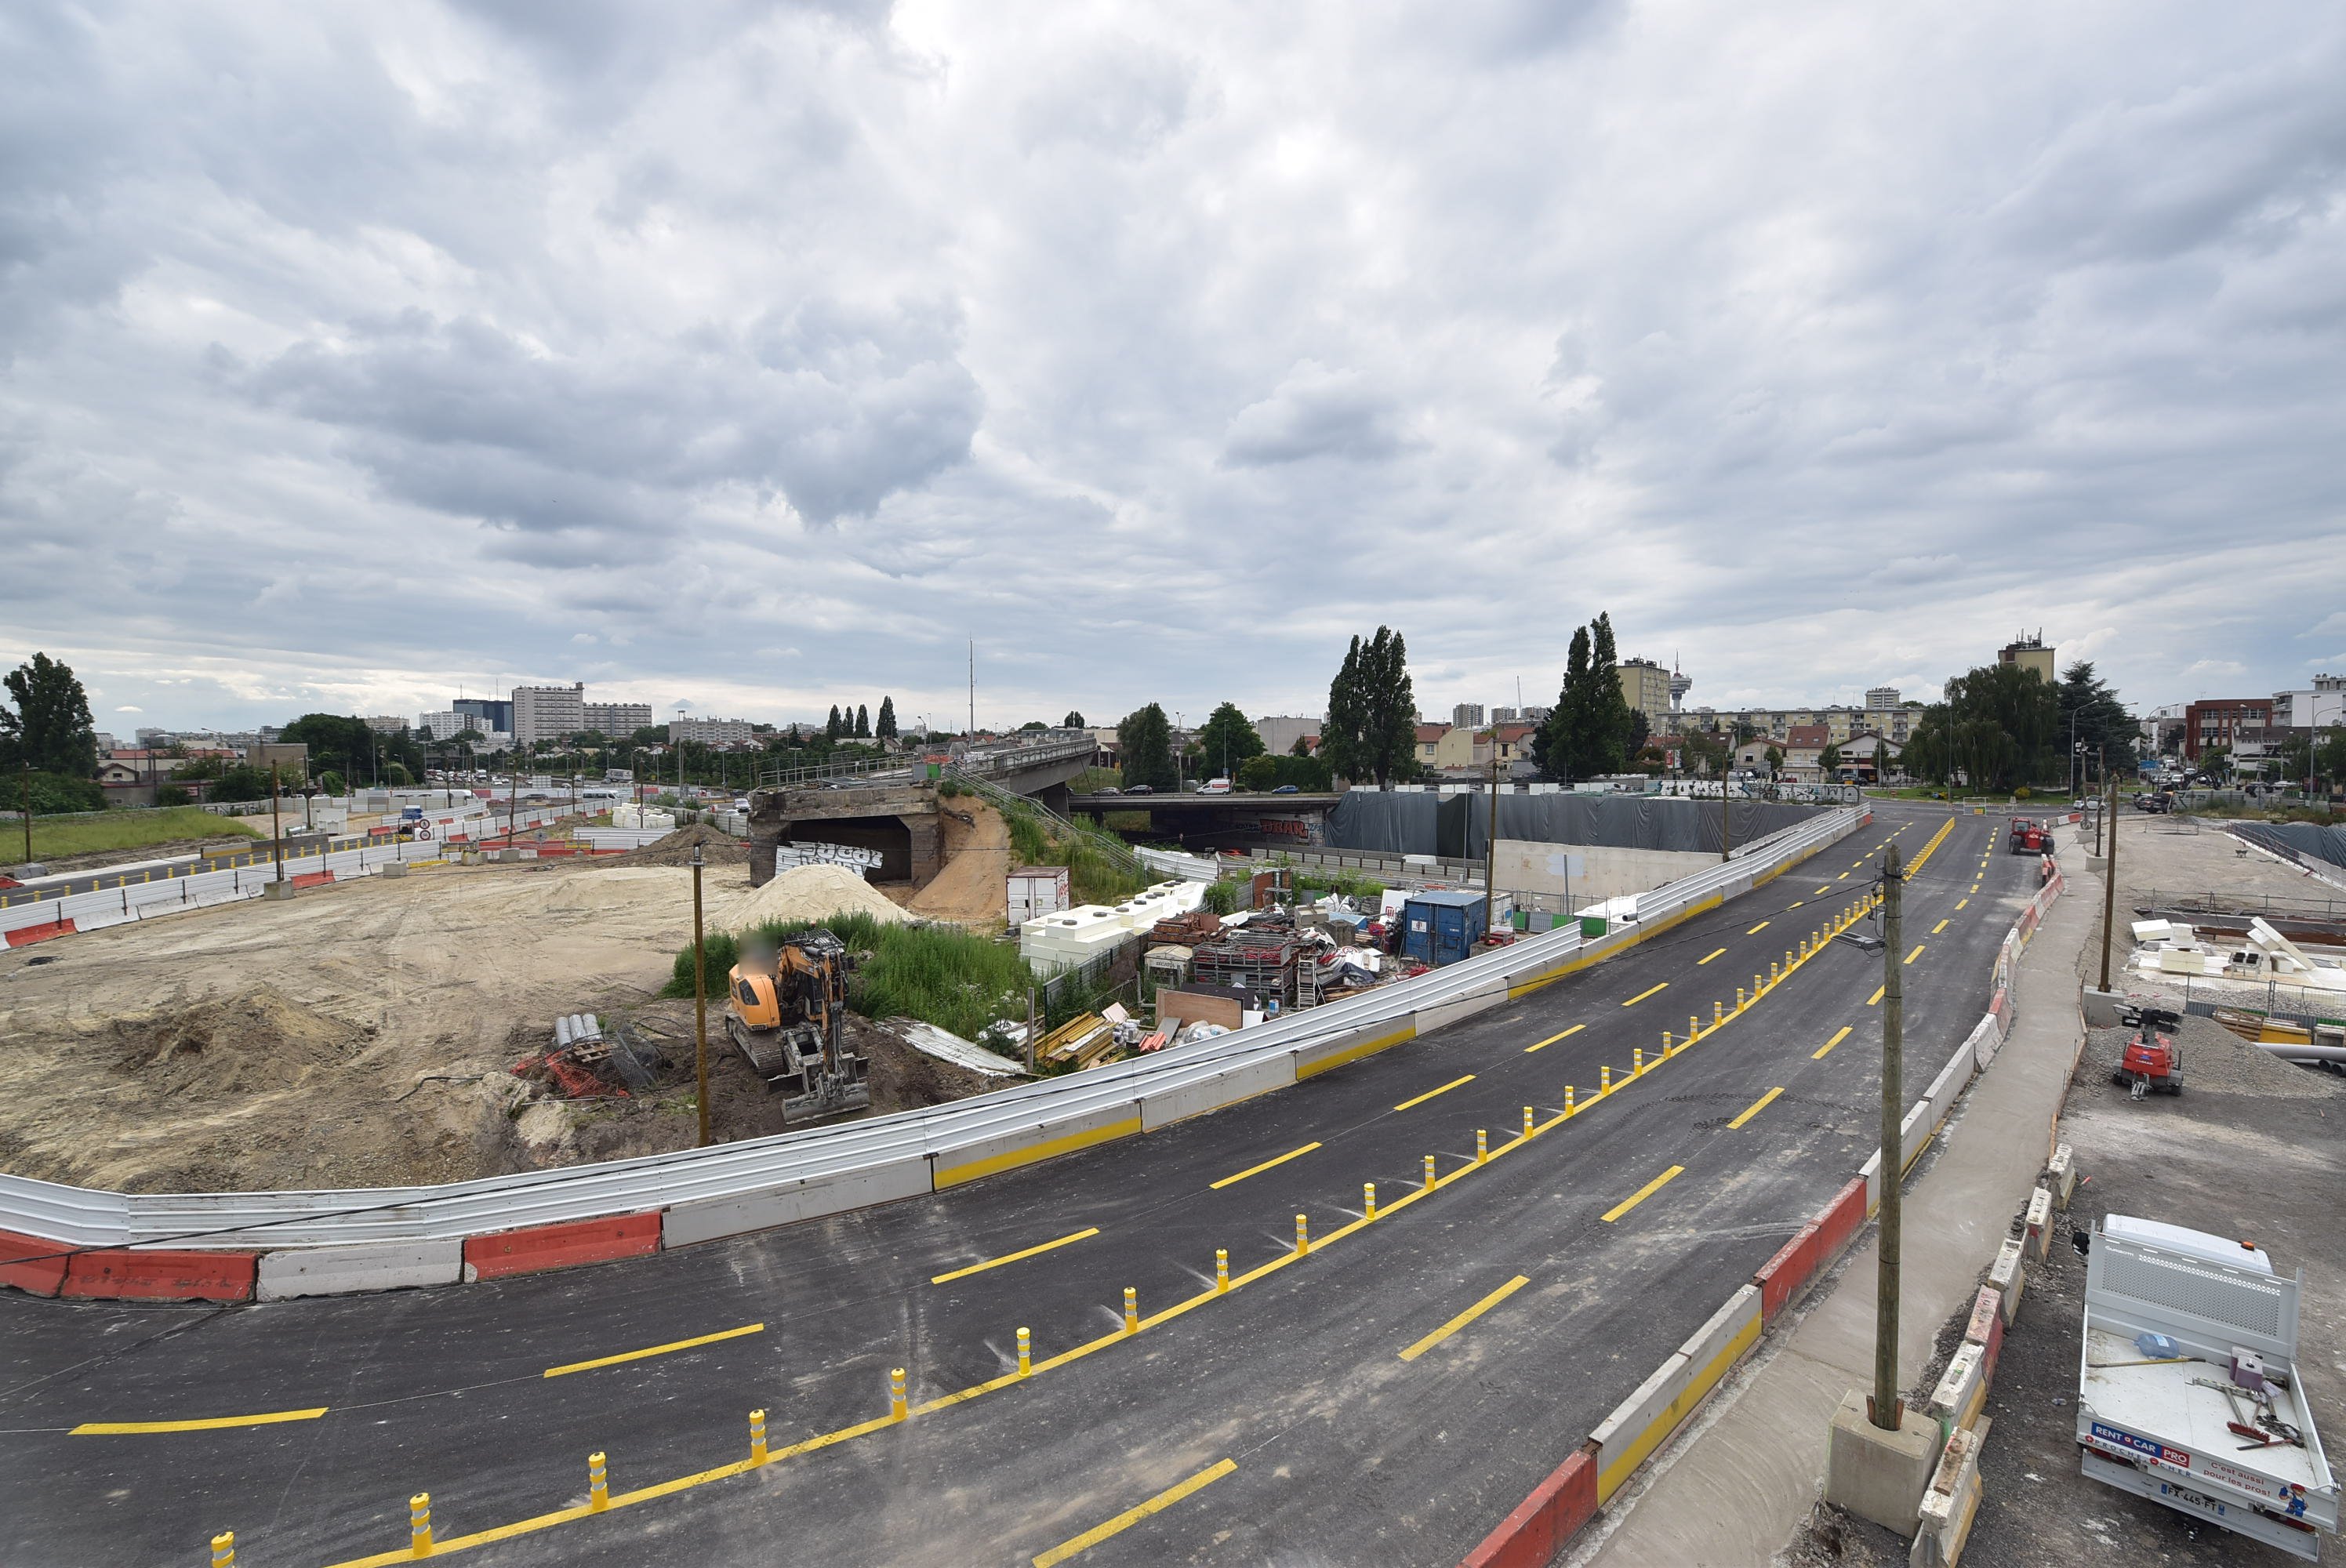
[711, 731]
[549, 712]
[1645, 687]
[617, 719]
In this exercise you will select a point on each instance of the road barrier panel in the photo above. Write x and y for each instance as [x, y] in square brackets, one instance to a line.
[1162, 1107]
[362, 1266]
[1781, 1276]
[1351, 1045]
[1482, 999]
[26, 935]
[545, 1246]
[1962, 1390]
[2008, 1277]
[1985, 1328]
[1842, 1219]
[811, 1197]
[31, 1264]
[1541, 1524]
[1644, 1421]
[956, 1162]
[160, 1276]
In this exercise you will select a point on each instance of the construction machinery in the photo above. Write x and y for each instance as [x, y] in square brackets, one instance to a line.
[2030, 838]
[2152, 1061]
[787, 1012]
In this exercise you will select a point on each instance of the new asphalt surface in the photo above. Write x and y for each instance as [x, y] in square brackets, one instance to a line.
[1384, 1398]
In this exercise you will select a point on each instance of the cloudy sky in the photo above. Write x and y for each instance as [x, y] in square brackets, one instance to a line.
[755, 357]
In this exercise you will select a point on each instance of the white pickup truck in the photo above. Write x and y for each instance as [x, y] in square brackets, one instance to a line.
[2188, 1391]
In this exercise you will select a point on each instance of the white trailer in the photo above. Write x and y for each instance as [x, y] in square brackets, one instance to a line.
[2211, 1421]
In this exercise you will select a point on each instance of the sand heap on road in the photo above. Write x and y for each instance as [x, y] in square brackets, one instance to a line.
[811, 893]
[716, 848]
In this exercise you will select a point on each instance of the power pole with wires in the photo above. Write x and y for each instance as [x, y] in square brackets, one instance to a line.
[1886, 1409]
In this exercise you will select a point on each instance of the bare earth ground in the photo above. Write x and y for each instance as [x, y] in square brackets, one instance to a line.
[357, 1035]
[973, 889]
[2251, 1148]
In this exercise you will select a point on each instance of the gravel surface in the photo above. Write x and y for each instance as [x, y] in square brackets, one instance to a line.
[2218, 1062]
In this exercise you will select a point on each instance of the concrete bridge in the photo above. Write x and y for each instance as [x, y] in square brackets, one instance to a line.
[894, 809]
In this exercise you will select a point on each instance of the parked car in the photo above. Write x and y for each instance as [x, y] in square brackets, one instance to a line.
[1287, 789]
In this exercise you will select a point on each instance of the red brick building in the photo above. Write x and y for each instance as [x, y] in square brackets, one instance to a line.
[2225, 721]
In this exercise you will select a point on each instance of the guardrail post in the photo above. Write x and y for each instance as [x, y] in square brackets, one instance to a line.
[224, 1549]
[1221, 1269]
[1026, 1347]
[1368, 1201]
[419, 1524]
[896, 1392]
[599, 1483]
[1131, 1310]
[757, 1437]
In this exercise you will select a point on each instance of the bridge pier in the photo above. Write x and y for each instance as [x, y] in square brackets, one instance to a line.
[900, 822]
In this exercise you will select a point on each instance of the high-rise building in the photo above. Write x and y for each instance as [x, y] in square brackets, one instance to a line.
[2029, 652]
[385, 723]
[711, 731]
[494, 713]
[1466, 716]
[1880, 696]
[1681, 684]
[549, 712]
[617, 719]
[1645, 687]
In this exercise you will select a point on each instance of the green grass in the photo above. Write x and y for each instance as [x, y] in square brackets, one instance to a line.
[1095, 874]
[54, 838]
[936, 974]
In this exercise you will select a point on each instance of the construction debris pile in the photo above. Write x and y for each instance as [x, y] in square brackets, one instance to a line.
[584, 1063]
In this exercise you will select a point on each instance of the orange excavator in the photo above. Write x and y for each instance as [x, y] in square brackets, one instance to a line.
[786, 1013]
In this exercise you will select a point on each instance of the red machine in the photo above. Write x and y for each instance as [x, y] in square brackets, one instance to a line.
[2152, 1061]
[2030, 838]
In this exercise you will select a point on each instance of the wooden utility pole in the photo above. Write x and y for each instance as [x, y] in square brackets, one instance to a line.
[276, 833]
[1884, 1408]
[28, 813]
[2110, 881]
[1726, 822]
[699, 1003]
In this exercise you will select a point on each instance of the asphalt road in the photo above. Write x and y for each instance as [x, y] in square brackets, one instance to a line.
[1287, 1407]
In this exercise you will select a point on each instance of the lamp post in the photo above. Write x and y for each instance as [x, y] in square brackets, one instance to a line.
[699, 1003]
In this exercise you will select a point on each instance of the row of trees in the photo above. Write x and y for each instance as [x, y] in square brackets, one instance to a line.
[858, 725]
[1592, 729]
[2001, 726]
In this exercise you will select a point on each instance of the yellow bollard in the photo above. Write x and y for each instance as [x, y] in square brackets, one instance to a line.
[419, 1524]
[1637, 1060]
[1221, 1269]
[1739, 1002]
[1755, 988]
[1788, 960]
[1026, 1353]
[1667, 1045]
[1429, 1170]
[1131, 1310]
[1604, 1080]
[599, 1483]
[1481, 1146]
[757, 1437]
[1369, 1200]
[1567, 1100]
[1528, 1121]
[1302, 1235]
[224, 1549]
[1694, 1026]
[1774, 975]
[895, 1393]
[1718, 1014]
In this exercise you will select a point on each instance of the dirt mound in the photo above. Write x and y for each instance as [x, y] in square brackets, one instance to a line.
[716, 848]
[813, 893]
[255, 1043]
[971, 888]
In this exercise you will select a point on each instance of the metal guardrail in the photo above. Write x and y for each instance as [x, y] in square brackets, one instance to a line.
[87, 1217]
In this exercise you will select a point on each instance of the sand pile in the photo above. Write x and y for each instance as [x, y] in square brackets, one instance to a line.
[260, 1042]
[716, 848]
[811, 893]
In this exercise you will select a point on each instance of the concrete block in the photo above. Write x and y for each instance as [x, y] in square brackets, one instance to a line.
[276, 891]
[364, 1266]
[392, 869]
[2008, 1277]
[1950, 1501]
[1962, 1388]
[1876, 1474]
[2040, 1222]
[2062, 1175]
[2101, 1008]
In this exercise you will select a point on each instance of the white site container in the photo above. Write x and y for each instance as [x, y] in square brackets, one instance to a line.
[1036, 890]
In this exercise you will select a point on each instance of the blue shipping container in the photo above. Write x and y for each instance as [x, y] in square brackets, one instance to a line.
[1441, 928]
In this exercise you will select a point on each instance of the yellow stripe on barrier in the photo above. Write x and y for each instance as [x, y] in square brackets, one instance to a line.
[1011, 1159]
[1615, 1468]
[1354, 1052]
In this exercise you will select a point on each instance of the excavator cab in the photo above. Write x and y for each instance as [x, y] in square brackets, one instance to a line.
[786, 1012]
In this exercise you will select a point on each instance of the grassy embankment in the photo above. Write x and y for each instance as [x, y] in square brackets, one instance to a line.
[1095, 875]
[55, 837]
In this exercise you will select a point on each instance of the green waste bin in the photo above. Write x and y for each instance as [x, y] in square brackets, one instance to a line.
[1592, 925]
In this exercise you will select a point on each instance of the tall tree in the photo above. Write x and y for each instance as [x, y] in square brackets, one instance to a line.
[1612, 722]
[1075, 720]
[1372, 729]
[1145, 740]
[1228, 741]
[2092, 711]
[831, 726]
[1562, 739]
[862, 722]
[1999, 727]
[884, 727]
[49, 726]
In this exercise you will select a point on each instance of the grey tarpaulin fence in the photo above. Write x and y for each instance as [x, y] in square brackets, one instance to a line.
[2311, 840]
[1412, 824]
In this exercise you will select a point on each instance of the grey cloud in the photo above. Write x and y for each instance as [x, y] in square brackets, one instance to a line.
[1314, 412]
